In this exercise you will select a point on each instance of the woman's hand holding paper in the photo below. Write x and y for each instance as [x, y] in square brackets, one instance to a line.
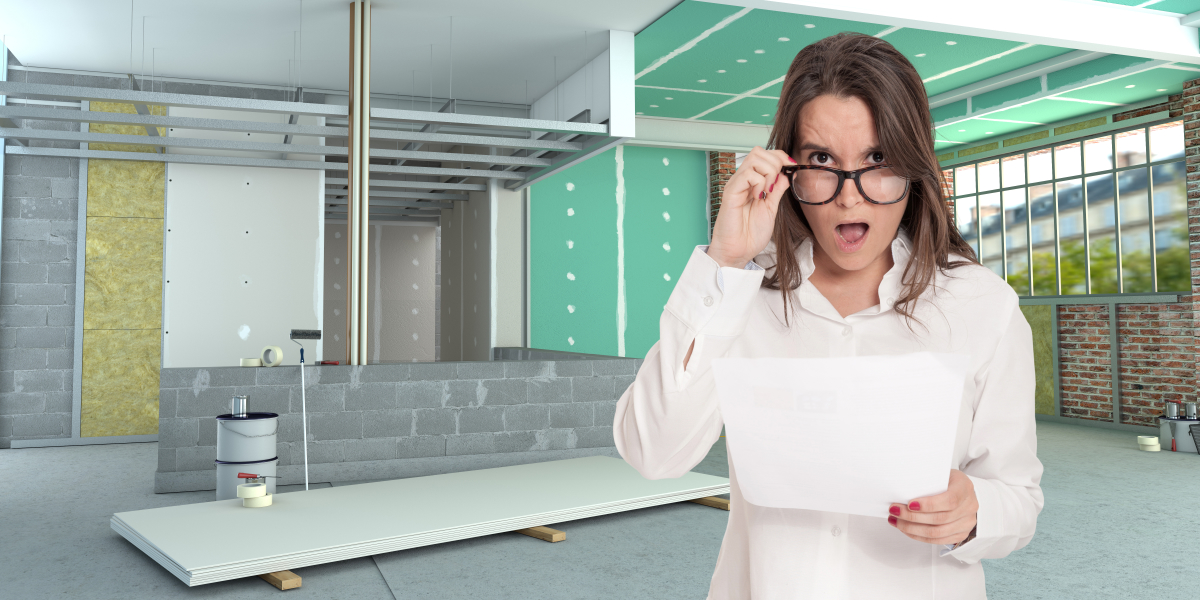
[946, 518]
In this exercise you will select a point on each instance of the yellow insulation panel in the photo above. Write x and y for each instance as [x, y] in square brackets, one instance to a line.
[123, 274]
[120, 382]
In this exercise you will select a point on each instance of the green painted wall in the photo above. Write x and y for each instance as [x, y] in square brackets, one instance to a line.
[574, 228]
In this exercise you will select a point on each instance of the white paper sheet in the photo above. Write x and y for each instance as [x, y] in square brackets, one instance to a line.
[848, 435]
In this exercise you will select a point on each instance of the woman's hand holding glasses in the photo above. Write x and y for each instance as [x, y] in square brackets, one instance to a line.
[746, 220]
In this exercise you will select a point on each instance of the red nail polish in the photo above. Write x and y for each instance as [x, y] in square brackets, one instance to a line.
[762, 195]
[914, 505]
[891, 520]
[895, 510]
[772, 188]
[792, 159]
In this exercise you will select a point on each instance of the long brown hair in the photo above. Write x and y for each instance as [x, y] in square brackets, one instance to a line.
[860, 66]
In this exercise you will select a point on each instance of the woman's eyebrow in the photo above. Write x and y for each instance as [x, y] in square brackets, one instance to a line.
[819, 148]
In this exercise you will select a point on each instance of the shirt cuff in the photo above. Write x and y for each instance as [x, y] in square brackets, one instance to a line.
[750, 266]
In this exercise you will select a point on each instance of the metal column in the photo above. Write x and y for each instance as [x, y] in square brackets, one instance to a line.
[357, 238]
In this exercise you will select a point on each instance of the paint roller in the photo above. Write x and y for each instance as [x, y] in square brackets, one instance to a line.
[304, 334]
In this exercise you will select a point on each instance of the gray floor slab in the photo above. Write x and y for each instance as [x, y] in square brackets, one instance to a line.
[1118, 523]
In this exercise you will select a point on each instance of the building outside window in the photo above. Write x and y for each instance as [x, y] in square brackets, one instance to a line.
[1099, 215]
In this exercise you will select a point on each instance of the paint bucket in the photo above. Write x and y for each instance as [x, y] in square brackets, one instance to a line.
[227, 475]
[1177, 430]
[246, 438]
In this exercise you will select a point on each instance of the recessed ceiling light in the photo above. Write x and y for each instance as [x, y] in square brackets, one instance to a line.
[653, 106]
[720, 70]
[1129, 86]
[749, 121]
[921, 55]
[785, 39]
[951, 43]
[1162, 89]
[962, 130]
[987, 133]
[809, 25]
[741, 60]
[668, 98]
[701, 81]
[641, 113]
[759, 51]
[767, 115]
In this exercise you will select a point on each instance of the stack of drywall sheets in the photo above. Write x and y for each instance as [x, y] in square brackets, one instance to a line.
[216, 541]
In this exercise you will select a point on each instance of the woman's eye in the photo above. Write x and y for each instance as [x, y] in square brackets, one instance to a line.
[877, 157]
[820, 157]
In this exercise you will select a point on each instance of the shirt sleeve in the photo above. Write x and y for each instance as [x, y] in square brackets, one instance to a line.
[1002, 457]
[668, 419]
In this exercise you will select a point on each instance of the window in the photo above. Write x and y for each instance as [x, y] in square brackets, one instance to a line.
[1100, 215]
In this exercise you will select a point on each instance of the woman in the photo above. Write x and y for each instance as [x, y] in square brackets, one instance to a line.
[838, 243]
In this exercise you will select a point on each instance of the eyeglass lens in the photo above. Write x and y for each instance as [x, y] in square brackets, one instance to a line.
[817, 187]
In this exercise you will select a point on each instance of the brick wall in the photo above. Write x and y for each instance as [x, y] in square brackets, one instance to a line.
[1173, 105]
[721, 166]
[388, 421]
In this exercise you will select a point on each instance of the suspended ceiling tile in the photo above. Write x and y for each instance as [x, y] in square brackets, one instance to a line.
[682, 104]
[676, 28]
[1016, 91]
[940, 57]
[1099, 68]
[949, 111]
[746, 110]
[1047, 111]
[1137, 87]
[968, 132]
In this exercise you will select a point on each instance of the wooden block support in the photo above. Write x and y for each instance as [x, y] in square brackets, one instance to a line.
[544, 533]
[284, 580]
[712, 501]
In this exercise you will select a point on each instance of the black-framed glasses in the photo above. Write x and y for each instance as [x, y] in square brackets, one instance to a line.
[815, 185]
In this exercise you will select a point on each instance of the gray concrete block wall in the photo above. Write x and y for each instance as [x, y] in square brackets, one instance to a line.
[382, 421]
[37, 266]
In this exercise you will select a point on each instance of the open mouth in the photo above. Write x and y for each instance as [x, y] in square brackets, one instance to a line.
[852, 235]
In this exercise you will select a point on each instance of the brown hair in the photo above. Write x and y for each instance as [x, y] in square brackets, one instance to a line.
[856, 65]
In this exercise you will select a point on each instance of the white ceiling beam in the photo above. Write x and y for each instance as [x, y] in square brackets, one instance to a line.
[1057, 63]
[1092, 26]
[1191, 20]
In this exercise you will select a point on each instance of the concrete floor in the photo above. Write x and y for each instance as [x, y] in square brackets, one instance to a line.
[1118, 523]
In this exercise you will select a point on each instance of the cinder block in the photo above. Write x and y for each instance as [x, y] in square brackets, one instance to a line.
[471, 443]
[22, 359]
[47, 425]
[434, 421]
[615, 366]
[481, 370]
[232, 377]
[64, 188]
[230, 91]
[440, 371]
[594, 437]
[515, 441]
[385, 373]
[208, 432]
[54, 209]
[290, 428]
[7, 381]
[59, 402]
[15, 272]
[604, 413]
[526, 417]
[34, 294]
[550, 391]
[60, 358]
[465, 393]
[387, 423]
[592, 389]
[5, 426]
[420, 394]
[336, 426]
[64, 232]
[481, 419]
[96, 81]
[46, 252]
[622, 383]
[39, 381]
[166, 460]
[166, 403]
[26, 230]
[61, 316]
[320, 452]
[573, 368]
[524, 369]
[208, 402]
[50, 78]
[321, 398]
[331, 373]
[570, 415]
[371, 396]
[273, 375]
[45, 337]
[554, 439]
[506, 391]
[182, 433]
[283, 451]
[26, 187]
[196, 458]
[39, 166]
[179, 378]
[177, 87]
[22, 316]
[421, 446]
[372, 449]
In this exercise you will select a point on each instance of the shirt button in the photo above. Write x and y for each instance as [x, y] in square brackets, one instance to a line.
[708, 301]
[847, 331]
[835, 531]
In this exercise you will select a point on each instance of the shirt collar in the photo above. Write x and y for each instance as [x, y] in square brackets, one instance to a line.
[889, 287]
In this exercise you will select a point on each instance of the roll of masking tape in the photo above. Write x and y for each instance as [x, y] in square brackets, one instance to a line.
[1148, 440]
[272, 356]
[251, 362]
[1150, 447]
[251, 490]
[258, 502]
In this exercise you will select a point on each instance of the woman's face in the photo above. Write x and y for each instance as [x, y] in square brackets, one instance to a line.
[853, 233]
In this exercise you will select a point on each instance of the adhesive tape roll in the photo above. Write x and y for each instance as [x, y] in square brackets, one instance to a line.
[251, 362]
[1148, 439]
[251, 490]
[1150, 447]
[272, 356]
[258, 502]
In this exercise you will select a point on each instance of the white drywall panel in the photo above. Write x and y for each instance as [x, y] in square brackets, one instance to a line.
[506, 267]
[452, 224]
[402, 274]
[242, 263]
[334, 306]
[476, 276]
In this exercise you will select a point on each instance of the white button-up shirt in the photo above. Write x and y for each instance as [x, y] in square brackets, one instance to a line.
[669, 418]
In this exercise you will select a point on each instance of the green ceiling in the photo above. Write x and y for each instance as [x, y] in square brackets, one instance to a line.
[1182, 7]
[715, 62]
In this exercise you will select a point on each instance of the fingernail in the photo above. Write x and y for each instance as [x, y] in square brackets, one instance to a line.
[762, 195]
[891, 520]
[792, 159]
[895, 510]
[772, 188]
[914, 505]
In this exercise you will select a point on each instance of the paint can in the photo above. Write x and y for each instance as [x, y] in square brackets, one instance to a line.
[1178, 431]
[228, 480]
[246, 438]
